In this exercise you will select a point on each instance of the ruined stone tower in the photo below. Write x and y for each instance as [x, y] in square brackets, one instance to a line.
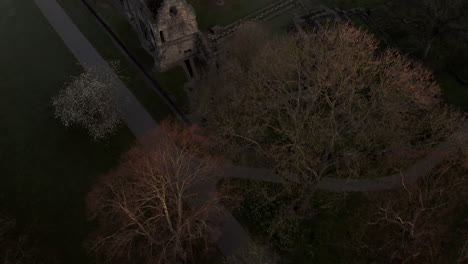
[166, 28]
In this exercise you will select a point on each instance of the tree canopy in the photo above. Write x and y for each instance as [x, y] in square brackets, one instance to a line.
[328, 102]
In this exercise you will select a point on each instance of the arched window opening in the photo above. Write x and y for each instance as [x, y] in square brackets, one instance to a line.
[173, 11]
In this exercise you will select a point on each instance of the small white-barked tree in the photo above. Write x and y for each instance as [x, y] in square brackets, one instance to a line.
[89, 100]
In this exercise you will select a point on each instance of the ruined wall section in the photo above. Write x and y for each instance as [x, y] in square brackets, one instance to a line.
[177, 33]
[140, 18]
[167, 29]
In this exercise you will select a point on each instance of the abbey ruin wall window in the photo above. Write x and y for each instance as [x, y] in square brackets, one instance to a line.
[161, 35]
[173, 11]
[129, 11]
[152, 35]
[151, 47]
[143, 29]
[188, 64]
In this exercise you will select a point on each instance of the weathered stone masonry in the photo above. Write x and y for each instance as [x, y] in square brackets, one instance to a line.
[167, 29]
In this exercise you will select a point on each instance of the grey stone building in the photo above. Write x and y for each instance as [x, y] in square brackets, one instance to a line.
[167, 29]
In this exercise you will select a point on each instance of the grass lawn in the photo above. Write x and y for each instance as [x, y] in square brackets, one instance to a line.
[46, 169]
[347, 4]
[171, 81]
[448, 52]
[358, 22]
[279, 24]
[318, 240]
[333, 234]
[209, 14]
[89, 26]
[456, 93]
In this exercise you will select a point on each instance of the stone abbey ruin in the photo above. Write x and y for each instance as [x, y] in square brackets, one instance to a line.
[168, 29]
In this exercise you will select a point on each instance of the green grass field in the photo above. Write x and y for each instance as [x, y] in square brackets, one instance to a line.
[448, 52]
[171, 81]
[316, 240]
[98, 37]
[279, 24]
[346, 4]
[209, 14]
[46, 169]
[332, 235]
[456, 93]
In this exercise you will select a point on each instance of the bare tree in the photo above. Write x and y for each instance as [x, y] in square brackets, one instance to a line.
[246, 43]
[17, 246]
[141, 206]
[89, 101]
[440, 14]
[434, 18]
[257, 253]
[419, 223]
[328, 103]
[325, 103]
[236, 52]
[7, 251]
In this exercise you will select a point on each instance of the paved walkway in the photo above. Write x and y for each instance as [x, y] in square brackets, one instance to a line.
[420, 169]
[274, 8]
[150, 81]
[135, 116]
[138, 120]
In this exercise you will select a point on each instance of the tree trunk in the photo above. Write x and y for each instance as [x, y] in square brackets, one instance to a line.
[428, 47]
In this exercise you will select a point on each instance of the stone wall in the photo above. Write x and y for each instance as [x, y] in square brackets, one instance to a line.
[139, 17]
[167, 29]
[176, 24]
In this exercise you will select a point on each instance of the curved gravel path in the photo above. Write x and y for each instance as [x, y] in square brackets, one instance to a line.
[233, 237]
[410, 175]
